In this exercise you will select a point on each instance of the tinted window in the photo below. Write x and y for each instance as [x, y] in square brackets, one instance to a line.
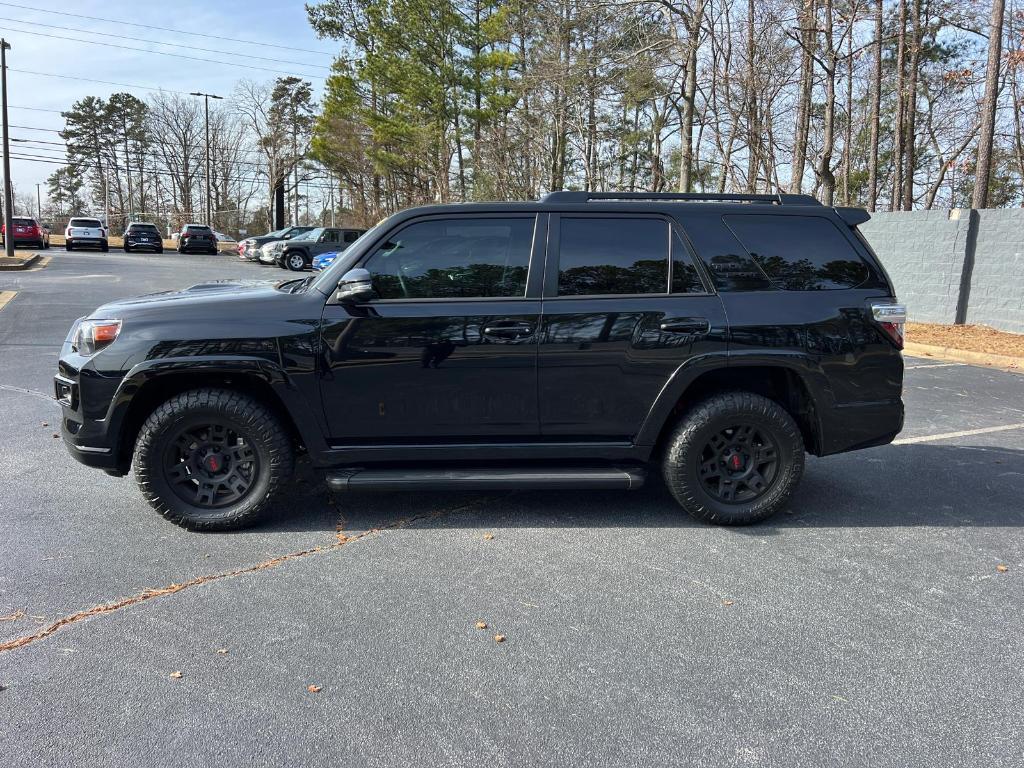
[149, 228]
[197, 230]
[615, 255]
[23, 222]
[684, 275]
[454, 258]
[330, 236]
[800, 253]
[94, 223]
[351, 236]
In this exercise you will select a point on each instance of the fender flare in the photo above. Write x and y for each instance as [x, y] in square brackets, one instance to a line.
[804, 366]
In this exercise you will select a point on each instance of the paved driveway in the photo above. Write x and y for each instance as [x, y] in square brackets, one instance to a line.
[870, 625]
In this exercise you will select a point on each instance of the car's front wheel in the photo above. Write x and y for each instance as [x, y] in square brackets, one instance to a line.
[296, 262]
[68, 246]
[734, 459]
[210, 459]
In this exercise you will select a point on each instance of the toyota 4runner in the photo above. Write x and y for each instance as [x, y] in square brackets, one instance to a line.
[582, 341]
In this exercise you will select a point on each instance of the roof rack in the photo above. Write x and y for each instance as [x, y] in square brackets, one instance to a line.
[692, 197]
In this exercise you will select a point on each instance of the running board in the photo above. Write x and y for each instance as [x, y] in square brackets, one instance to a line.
[485, 479]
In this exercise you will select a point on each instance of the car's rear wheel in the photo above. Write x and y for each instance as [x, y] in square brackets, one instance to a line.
[210, 459]
[296, 262]
[104, 246]
[734, 459]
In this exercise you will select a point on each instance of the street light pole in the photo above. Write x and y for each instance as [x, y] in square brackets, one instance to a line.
[206, 102]
[8, 189]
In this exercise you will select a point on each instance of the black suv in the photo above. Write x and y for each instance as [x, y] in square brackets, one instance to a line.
[197, 237]
[297, 253]
[582, 341]
[139, 235]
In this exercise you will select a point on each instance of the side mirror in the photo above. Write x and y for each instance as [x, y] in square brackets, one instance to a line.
[354, 286]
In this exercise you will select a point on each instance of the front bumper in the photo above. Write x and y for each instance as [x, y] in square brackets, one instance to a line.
[89, 431]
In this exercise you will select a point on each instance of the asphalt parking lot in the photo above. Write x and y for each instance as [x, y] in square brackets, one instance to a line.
[869, 625]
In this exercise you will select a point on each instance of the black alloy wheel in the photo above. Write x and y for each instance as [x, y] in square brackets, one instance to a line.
[211, 465]
[739, 463]
[211, 459]
[734, 458]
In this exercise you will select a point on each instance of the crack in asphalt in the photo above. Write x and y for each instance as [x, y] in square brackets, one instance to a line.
[341, 539]
[32, 392]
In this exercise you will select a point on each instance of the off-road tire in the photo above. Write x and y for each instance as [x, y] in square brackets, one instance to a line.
[262, 430]
[681, 465]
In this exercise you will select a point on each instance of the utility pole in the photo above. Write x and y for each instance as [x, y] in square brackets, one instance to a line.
[206, 101]
[39, 203]
[8, 189]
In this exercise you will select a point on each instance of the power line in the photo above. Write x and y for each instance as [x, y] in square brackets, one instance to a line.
[52, 160]
[158, 42]
[93, 80]
[164, 53]
[173, 30]
[152, 140]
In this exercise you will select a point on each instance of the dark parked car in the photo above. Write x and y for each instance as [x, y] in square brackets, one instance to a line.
[297, 254]
[249, 248]
[140, 235]
[197, 237]
[582, 341]
[27, 231]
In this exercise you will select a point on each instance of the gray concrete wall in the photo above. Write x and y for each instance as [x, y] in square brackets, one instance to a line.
[997, 280]
[928, 255]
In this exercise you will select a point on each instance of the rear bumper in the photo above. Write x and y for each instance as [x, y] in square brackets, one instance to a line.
[97, 242]
[853, 426]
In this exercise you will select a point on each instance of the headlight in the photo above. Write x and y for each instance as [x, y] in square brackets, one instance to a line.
[94, 335]
[277, 247]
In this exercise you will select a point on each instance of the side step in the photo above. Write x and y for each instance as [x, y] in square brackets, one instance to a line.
[485, 479]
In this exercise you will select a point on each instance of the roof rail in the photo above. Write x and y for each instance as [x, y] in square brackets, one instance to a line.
[692, 197]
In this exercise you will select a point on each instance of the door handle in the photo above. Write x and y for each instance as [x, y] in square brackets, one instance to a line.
[687, 325]
[508, 330]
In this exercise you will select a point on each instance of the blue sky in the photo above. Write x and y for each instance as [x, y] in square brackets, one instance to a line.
[257, 21]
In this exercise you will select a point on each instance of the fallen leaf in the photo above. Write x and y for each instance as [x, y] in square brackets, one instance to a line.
[175, 675]
[222, 650]
[3, 688]
[1002, 568]
[727, 602]
[481, 625]
[499, 638]
[56, 434]
[488, 536]
[313, 688]
[46, 423]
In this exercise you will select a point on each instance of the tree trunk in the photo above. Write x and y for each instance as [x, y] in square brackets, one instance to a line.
[983, 169]
[910, 110]
[897, 146]
[689, 99]
[803, 113]
[875, 109]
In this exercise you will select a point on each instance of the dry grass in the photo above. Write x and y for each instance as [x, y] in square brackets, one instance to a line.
[974, 338]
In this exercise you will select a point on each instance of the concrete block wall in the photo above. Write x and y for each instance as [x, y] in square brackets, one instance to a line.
[997, 280]
[923, 252]
[937, 266]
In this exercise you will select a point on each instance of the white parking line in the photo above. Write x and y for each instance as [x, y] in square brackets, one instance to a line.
[935, 365]
[962, 433]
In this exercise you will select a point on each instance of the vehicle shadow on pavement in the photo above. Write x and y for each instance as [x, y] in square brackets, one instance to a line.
[905, 485]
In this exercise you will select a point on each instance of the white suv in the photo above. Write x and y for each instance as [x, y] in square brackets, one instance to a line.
[83, 232]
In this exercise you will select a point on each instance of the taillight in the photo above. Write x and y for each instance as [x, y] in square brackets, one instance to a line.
[891, 319]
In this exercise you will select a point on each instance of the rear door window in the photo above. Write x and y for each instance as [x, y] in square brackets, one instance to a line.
[614, 255]
[800, 253]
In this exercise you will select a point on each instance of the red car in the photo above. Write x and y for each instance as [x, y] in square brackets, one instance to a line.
[27, 231]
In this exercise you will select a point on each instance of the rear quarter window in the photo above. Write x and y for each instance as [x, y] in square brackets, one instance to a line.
[799, 253]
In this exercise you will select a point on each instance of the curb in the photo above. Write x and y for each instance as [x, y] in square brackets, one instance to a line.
[1007, 362]
[30, 261]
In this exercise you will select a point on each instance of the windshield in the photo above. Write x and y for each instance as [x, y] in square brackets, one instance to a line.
[326, 280]
[312, 234]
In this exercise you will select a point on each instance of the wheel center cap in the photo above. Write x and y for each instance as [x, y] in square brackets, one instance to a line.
[214, 462]
[735, 462]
